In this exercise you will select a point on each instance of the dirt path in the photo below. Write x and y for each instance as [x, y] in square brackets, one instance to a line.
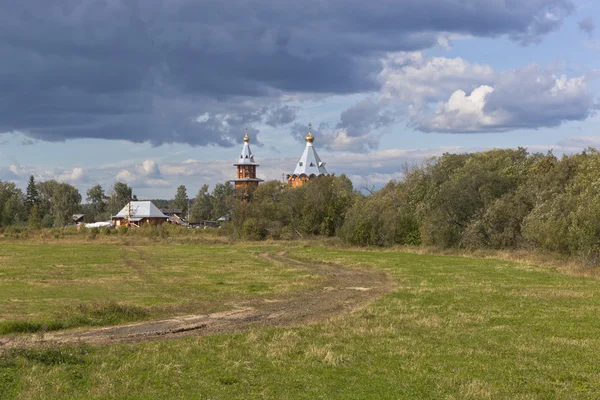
[342, 290]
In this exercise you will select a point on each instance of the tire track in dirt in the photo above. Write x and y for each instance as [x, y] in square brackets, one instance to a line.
[341, 290]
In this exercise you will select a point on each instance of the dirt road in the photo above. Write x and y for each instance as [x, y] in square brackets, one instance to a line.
[342, 290]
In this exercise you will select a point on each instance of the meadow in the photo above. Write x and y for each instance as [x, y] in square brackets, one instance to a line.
[450, 327]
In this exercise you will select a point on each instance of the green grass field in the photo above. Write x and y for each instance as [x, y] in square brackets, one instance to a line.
[51, 286]
[453, 328]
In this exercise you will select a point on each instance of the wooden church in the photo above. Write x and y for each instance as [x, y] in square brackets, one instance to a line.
[308, 167]
[246, 169]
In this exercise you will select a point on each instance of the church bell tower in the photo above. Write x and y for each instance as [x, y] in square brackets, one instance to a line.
[246, 169]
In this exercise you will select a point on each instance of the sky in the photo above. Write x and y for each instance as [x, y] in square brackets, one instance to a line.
[158, 93]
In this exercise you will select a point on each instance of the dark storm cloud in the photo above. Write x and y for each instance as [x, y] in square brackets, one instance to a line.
[281, 115]
[144, 70]
[364, 117]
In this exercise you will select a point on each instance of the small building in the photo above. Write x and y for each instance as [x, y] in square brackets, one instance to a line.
[137, 213]
[309, 166]
[78, 218]
[176, 219]
[246, 169]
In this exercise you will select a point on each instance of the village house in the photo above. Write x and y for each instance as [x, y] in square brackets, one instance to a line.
[137, 213]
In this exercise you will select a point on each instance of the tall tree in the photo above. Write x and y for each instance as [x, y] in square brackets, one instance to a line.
[12, 208]
[34, 220]
[222, 197]
[32, 193]
[121, 195]
[65, 203]
[46, 191]
[202, 208]
[181, 200]
[97, 200]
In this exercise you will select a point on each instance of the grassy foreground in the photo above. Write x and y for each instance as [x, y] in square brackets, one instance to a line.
[58, 286]
[453, 328]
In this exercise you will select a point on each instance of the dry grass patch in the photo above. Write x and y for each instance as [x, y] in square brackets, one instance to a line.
[476, 389]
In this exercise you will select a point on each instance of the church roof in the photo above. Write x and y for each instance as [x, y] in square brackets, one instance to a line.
[141, 209]
[310, 163]
[246, 157]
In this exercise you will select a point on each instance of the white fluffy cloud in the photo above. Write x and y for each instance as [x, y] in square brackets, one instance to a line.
[531, 97]
[414, 80]
[462, 113]
[76, 175]
[455, 96]
[146, 175]
[341, 140]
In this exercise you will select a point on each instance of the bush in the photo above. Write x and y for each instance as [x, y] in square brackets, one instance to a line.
[253, 229]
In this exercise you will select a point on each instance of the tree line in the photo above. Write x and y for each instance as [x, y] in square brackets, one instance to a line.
[52, 204]
[500, 199]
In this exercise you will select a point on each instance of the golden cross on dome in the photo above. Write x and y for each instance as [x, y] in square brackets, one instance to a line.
[310, 138]
[246, 138]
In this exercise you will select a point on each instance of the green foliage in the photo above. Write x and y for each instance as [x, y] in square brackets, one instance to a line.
[276, 211]
[97, 204]
[32, 194]
[502, 199]
[12, 207]
[120, 195]
[57, 203]
[254, 229]
[371, 222]
[202, 209]
[566, 217]
[181, 200]
[222, 198]
[65, 202]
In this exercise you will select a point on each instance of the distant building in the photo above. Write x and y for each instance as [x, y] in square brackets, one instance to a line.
[78, 218]
[136, 213]
[309, 166]
[246, 169]
[176, 219]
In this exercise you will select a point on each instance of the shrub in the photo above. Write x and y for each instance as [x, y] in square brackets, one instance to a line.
[253, 229]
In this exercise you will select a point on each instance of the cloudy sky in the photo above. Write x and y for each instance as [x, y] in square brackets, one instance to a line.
[157, 93]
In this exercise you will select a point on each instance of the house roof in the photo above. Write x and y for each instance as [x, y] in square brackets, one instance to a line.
[77, 217]
[171, 211]
[141, 209]
[246, 157]
[310, 163]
